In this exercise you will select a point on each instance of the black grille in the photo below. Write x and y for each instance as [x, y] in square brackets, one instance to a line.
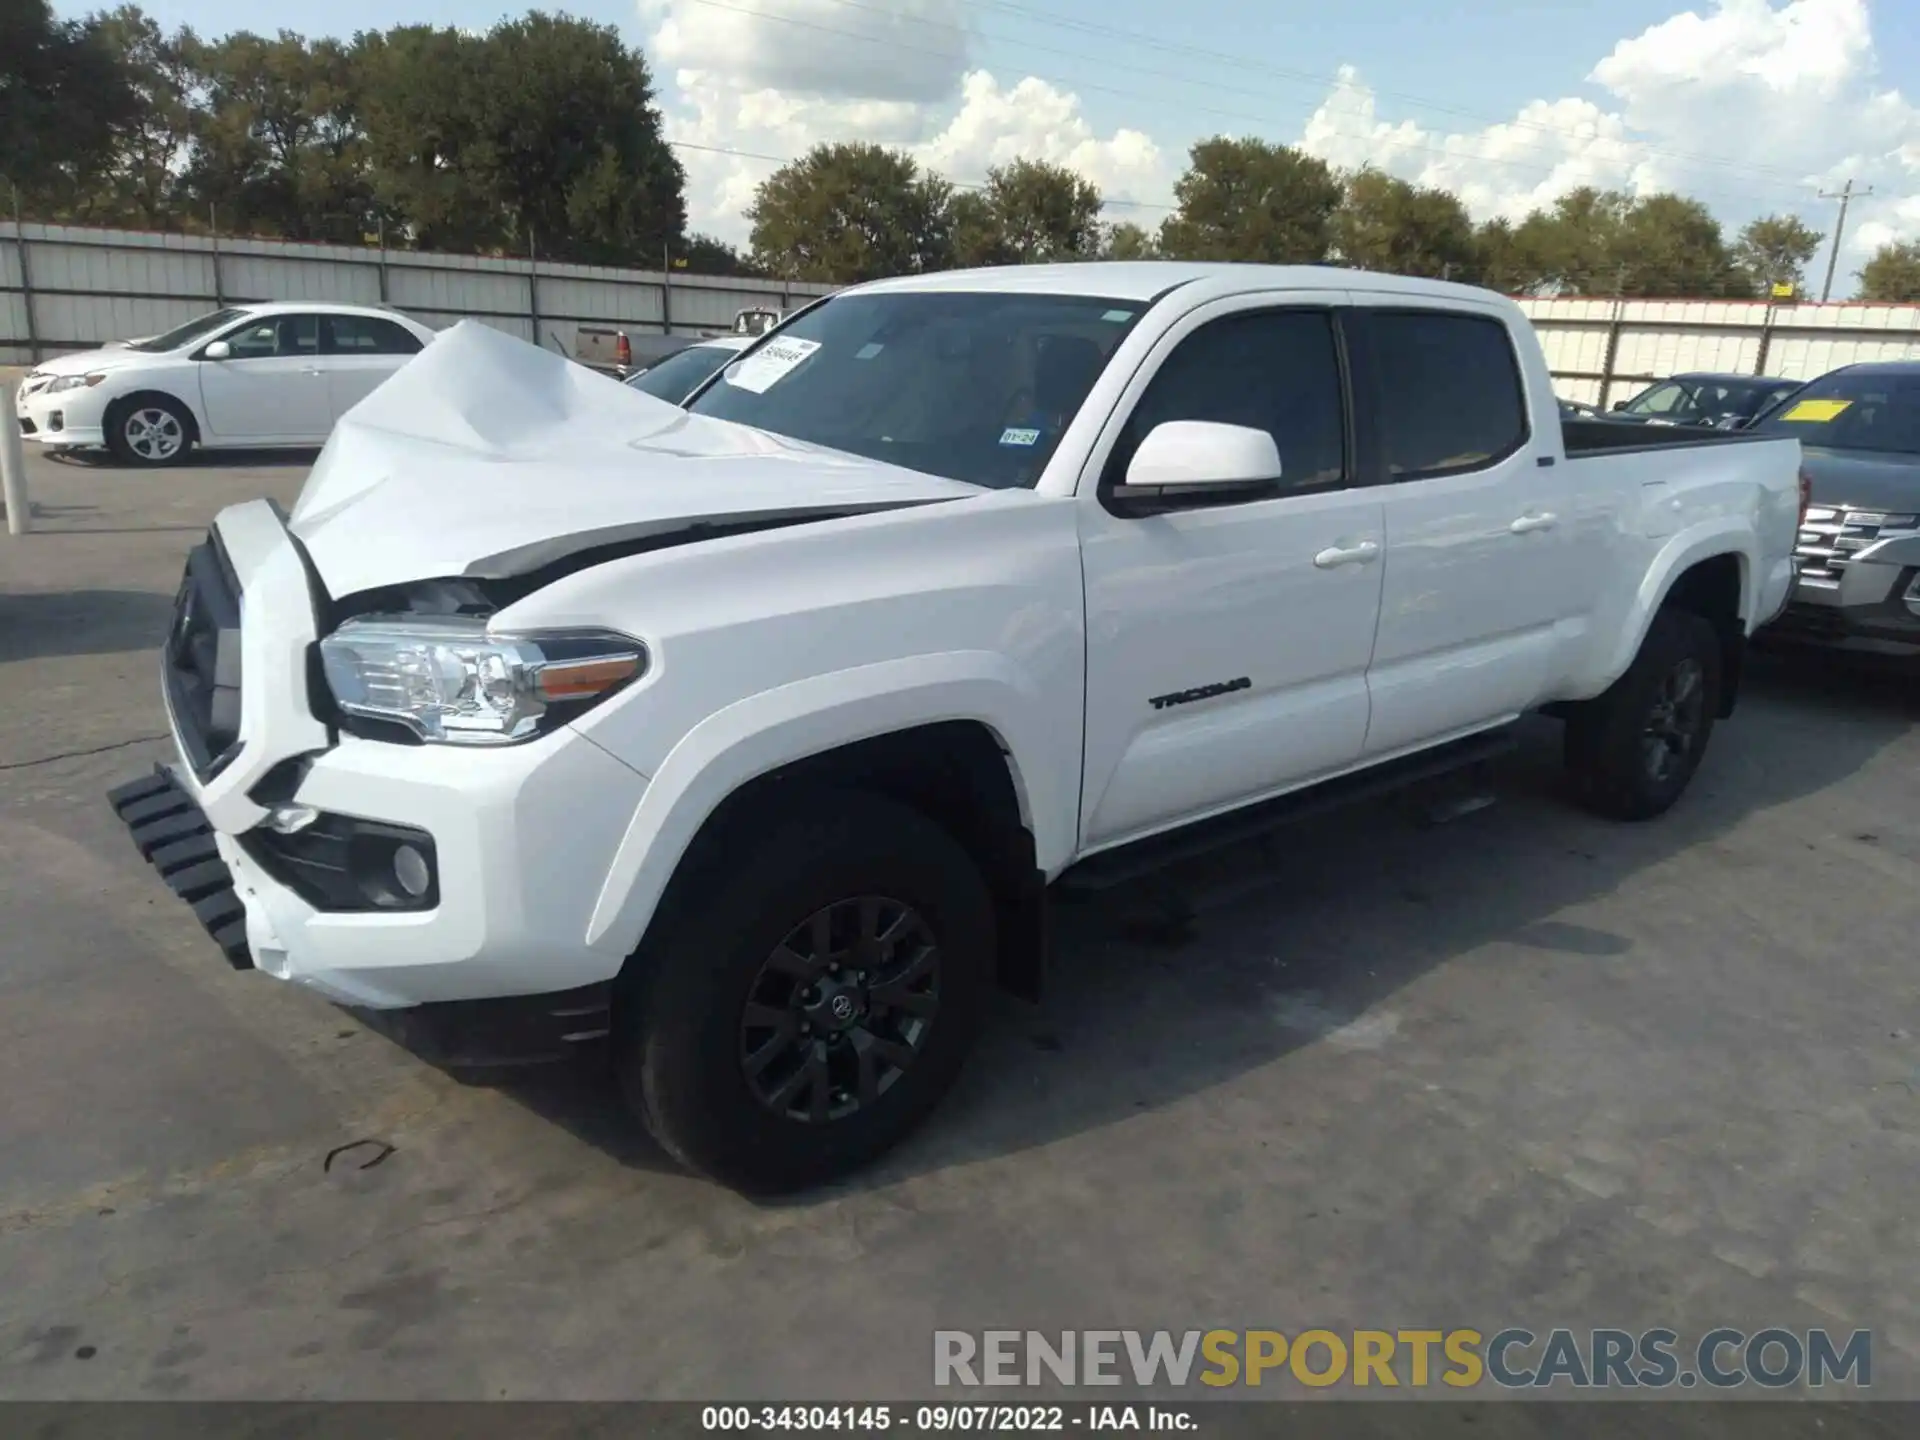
[201, 660]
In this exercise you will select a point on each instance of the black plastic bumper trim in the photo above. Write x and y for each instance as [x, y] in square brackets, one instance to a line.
[512, 1030]
[173, 836]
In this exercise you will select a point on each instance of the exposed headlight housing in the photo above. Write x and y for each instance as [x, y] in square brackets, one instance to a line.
[447, 681]
[75, 382]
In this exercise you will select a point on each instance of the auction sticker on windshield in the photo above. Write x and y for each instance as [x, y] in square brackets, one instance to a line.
[769, 365]
[1817, 412]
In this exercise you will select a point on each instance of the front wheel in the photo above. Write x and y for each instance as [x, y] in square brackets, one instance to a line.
[149, 430]
[811, 994]
[1633, 750]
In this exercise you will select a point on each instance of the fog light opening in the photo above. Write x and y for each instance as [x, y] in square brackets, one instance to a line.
[410, 871]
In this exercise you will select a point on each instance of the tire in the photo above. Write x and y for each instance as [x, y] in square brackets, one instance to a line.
[149, 431]
[704, 993]
[1633, 750]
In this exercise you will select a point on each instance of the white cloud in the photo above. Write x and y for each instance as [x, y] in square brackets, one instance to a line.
[1034, 120]
[776, 77]
[1753, 107]
[1750, 105]
[916, 50]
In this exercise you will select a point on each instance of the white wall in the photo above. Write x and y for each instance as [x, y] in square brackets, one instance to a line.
[1651, 339]
[88, 286]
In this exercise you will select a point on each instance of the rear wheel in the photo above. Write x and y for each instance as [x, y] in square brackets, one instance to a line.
[1633, 750]
[811, 995]
[149, 430]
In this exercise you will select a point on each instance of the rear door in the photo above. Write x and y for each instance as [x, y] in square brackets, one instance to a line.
[1484, 575]
[358, 352]
[1227, 645]
[270, 388]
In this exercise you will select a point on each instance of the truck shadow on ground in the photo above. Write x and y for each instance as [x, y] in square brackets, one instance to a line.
[1229, 963]
[36, 624]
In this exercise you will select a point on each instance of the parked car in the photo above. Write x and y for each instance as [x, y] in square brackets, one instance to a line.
[680, 374]
[749, 737]
[1719, 401]
[1859, 547]
[246, 376]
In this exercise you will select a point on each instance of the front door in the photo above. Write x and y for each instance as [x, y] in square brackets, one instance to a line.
[1482, 575]
[1227, 646]
[270, 389]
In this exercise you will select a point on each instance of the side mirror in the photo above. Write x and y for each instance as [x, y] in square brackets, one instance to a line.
[218, 350]
[1199, 460]
[1619, 404]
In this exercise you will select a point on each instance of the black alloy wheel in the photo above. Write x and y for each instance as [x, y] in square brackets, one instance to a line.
[841, 1009]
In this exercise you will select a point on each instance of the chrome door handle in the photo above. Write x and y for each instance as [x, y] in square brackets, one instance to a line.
[1539, 520]
[1363, 553]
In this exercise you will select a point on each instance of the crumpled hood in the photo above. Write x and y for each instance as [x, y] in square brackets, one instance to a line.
[486, 456]
[1864, 479]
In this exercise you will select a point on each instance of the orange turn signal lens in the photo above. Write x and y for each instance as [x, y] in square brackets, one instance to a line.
[584, 679]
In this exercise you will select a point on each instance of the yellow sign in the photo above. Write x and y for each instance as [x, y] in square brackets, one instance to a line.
[1816, 412]
[1783, 290]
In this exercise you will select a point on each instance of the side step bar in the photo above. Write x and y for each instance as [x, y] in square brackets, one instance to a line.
[173, 836]
[1127, 863]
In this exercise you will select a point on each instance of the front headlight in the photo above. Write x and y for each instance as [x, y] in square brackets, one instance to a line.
[74, 382]
[448, 681]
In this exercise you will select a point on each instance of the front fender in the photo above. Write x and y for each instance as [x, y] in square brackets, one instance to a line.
[1762, 588]
[776, 727]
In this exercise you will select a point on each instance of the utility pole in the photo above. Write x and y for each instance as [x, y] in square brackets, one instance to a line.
[1845, 197]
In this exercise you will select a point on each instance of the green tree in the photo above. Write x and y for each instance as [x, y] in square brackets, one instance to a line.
[1892, 276]
[850, 213]
[704, 255]
[1504, 261]
[62, 96]
[977, 236]
[572, 147]
[1128, 241]
[1669, 245]
[1384, 223]
[1249, 200]
[1029, 212]
[423, 99]
[279, 148]
[141, 183]
[1774, 250]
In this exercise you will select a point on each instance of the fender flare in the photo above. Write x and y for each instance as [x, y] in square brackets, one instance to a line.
[764, 732]
[1707, 540]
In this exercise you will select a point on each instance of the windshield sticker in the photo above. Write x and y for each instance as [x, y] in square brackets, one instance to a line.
[1116, 317]
[1817, 411]
[1013, 436]
[868, 350]
[769, 365]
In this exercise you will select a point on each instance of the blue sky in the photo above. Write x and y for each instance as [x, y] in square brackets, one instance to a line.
[1751, 104]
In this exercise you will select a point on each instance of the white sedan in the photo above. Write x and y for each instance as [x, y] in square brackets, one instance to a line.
[247, 376]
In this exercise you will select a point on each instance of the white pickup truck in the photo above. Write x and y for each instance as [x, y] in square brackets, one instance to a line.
[751, 735]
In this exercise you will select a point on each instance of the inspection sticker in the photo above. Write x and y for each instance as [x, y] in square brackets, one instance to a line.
[1817, 411]
[1019, 437]
[769, 365]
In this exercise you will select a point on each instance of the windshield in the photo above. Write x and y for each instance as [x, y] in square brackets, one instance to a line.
[1703, 399]
[186, 334]
[1853, 410]
[970, 385]
[673, 378]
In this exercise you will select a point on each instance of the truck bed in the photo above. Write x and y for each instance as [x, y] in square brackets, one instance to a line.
[1595, 437]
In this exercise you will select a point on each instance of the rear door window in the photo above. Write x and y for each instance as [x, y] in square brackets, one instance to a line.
[1451, 398]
